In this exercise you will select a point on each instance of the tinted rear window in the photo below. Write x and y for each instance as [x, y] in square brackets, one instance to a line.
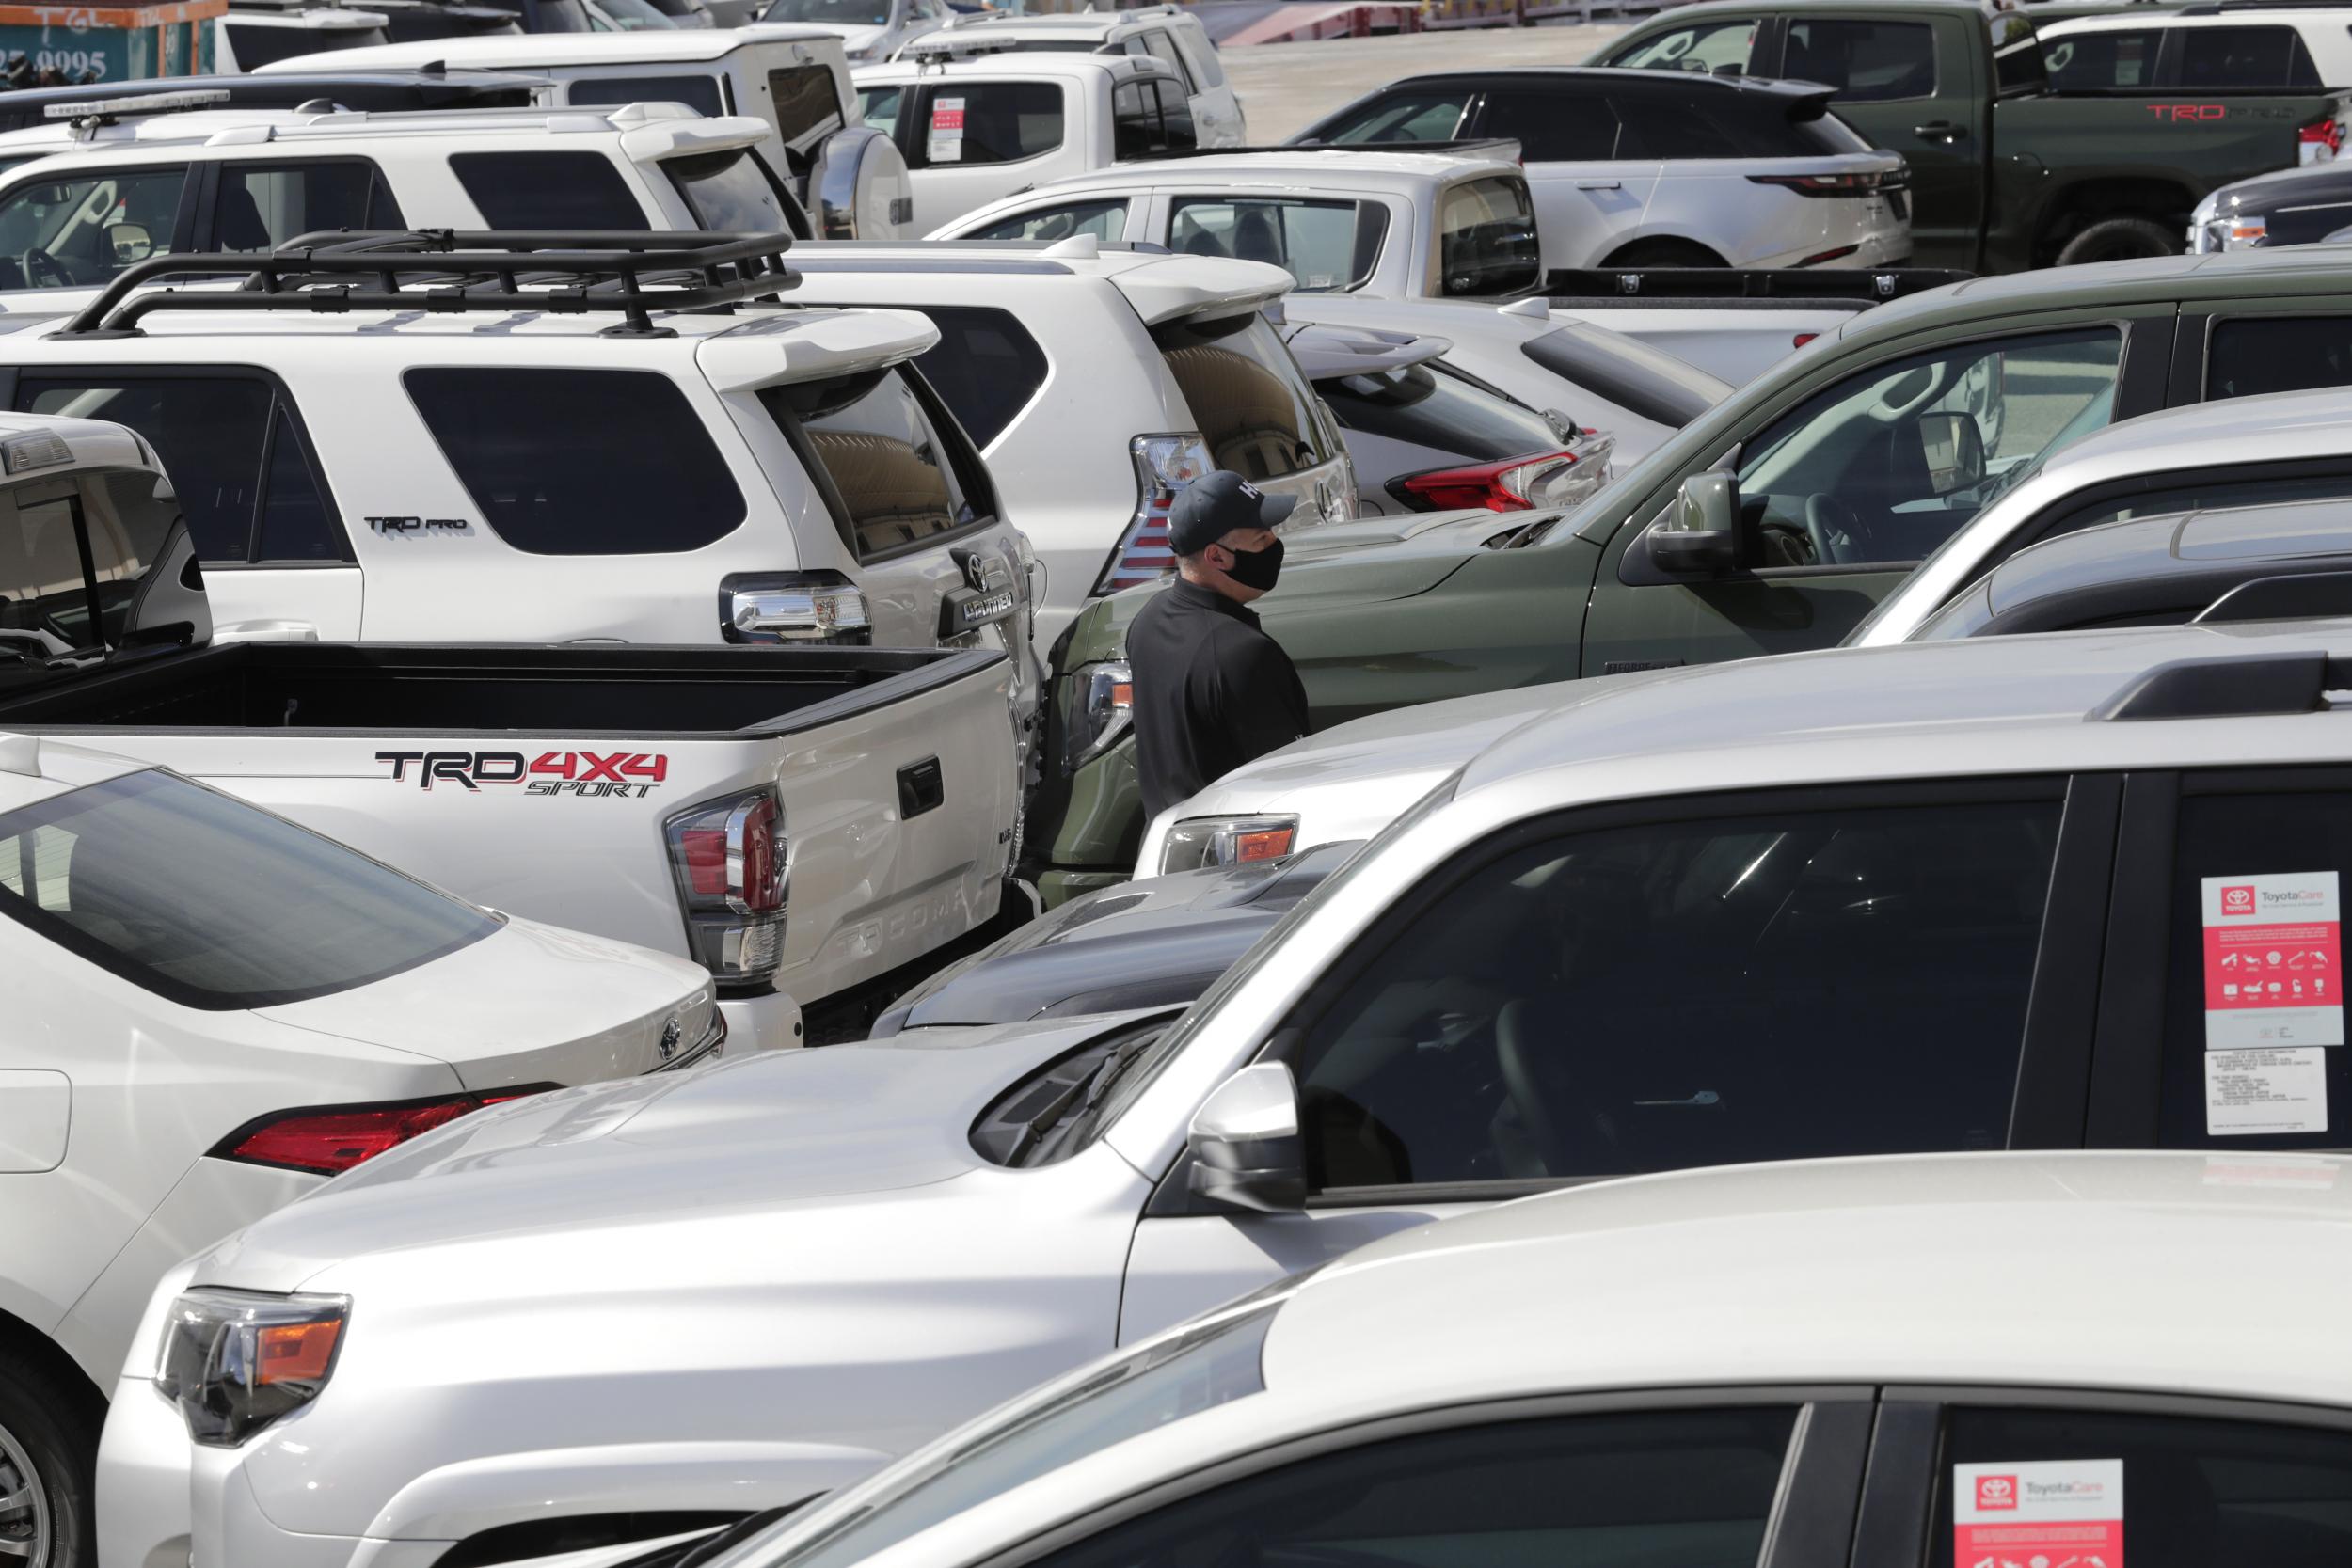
[1486, 239]
[573, 462]
[892, 475]
[1430, 406]
[1705, 123]
[1868, 62]
[699, 93]
[1245, 394]
[1643, 381]
[729, 192]
[51, 592]
[805, 101]
[985, 368]
[549, 190]
[212, 903]
[2253, 355]
[989, 122]
[2270, 58]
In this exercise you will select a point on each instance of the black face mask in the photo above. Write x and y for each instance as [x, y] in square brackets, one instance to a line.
[1258, 569]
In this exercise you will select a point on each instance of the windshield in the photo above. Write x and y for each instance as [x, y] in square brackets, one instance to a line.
[729, 193]
[212, 903]
[842, 13]
[1642, 380]
[1196, 1369]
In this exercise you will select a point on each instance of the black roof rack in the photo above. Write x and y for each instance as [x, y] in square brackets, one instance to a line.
[2231, 687]
[438, 270]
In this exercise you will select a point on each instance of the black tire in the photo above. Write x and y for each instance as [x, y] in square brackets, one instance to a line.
[2121, 240]
[1665, 253]
[51, 1426]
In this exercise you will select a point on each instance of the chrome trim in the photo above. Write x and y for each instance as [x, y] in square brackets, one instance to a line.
[712, 1038]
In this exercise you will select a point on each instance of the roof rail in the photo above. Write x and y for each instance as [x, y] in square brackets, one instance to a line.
[2228, 686]
[1493, 146]
[2289, 597]
[2215, 8]
[439, 270]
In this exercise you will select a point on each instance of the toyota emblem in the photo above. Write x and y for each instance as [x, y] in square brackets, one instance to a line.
[670, 1034]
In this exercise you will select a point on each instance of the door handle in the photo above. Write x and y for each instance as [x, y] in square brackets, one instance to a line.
[1599, 184]
[1941, 130]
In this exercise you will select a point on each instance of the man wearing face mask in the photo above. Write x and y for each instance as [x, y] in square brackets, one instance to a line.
[1211, 690]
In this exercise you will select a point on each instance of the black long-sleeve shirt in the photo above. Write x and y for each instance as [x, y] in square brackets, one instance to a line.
[1213, 691]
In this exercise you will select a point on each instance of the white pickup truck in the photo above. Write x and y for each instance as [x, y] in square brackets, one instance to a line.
[800, 821]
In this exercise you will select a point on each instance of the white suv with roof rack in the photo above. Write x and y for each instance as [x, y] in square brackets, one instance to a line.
[1170, 34]
[851, 182]
[98, 196]
[978, 122]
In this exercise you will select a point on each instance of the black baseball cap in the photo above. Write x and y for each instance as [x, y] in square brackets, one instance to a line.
[1215, 505]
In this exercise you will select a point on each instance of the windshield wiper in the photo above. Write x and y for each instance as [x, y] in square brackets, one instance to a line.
[1083, 1095]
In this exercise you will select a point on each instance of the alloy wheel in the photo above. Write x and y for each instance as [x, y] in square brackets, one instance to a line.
[25, 1529]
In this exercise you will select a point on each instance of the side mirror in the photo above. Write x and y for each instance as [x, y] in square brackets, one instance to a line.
[1953, 452]
[1247, 1151]
[1702, 536]
[130, 242]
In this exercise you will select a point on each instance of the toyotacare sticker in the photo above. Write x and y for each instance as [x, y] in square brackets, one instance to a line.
[2274, 952]
[945, 143]
[2039, 1514]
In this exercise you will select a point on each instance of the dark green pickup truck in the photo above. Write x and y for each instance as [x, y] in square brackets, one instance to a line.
[1827, 478]
[2005, 174]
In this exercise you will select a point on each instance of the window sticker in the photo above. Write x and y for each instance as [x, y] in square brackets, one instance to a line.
[2039, 1514]
[2251, 1092]
[2274, 951]
[946, 137]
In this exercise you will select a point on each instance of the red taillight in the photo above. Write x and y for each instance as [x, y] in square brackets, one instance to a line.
[2325, 132]
[1821, 256]
[706, 853]
[1823, 184]
[754, 842]
[328, 1140]
[1802, 339]
[1164, 464]
[1503, 486]
[727, 857]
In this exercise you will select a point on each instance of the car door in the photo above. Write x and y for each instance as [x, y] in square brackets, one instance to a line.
[1910, 86]
[1590, 195]
[1611, 991]
[1839, 500]
[276, 555]
[970, 143]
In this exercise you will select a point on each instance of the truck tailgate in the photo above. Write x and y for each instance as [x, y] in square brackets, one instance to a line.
[1730, 322]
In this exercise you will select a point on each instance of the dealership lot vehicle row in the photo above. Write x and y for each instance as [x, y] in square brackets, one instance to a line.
[592, 986]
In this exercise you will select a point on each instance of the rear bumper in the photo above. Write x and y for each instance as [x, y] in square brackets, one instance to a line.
[767, 1022]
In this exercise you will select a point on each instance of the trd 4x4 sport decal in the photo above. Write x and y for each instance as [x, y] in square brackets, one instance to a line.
[630, 775]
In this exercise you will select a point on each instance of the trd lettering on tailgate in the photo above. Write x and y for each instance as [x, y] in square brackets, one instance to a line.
[623, 775]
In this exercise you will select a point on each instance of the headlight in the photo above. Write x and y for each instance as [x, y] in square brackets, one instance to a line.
[1102, 704]
[1227, 841]
[234, 1361]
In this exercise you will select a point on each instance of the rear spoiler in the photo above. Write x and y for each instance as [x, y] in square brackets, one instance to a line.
[1869, 284]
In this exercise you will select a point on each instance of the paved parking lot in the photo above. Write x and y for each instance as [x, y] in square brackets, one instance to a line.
[1287, 87]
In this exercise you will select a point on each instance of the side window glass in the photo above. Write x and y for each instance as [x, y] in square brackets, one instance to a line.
[2272, 58]
[295, 522]
[1887, 465]
[44, 596]
[890, 467]
[1105, 220]
[208, 430]
[1720, 48]
[1661, 127]
[1868, 62]
[262, 207]
[1643, 1489]
[1208, 72]
[985, 368]
[993, 122]
[1176, 128]
[1435, 115]
[1692, 993]
[2253, 992]
[1317, 242]
[1163, 48]
[2185, 1492]
[1553, 128]
[78, 231]
[2246, 356]
[878, 107]
[549, 190]
[2194, 492]
[2103, 61]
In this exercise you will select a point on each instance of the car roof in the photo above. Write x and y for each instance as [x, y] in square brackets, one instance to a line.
[1011, 62]
[2287, 269]
[2268, 539]
[525, 50]
[1158, 284]
[2209, 434]
[1289, 169]
[2003, 705]
[2085, 1269]
[1088, 24]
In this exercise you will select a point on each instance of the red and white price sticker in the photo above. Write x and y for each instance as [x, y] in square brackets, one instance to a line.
[2039, 1514]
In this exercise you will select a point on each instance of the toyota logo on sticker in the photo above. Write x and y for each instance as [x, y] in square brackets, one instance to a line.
[1996, 1491]
[2237, 900]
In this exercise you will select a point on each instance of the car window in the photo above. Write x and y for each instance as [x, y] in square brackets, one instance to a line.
[1552, 127]
[255, 46]
[1208, 72]
[1432, 405]
[2186, 1492]
[698, 91]
[80, 230]
[1417, 115]
[2016, 54]
[1105, 220]
[807, 102]
[537, 451]
[1247, 397]
[1637, 1489]
[2253, 998]
[1868, 62]
[246, 483]
[878, 109]
[893, 479]
[549, 190]
[51, 594]
[1877, 468]
[212, 903]
[262, 206]
[2272, 58]
[1141, 123]
[990, 122]
[2102, 62]
[2189, 490]
[1323, 244]
[2246, 356]
[1716, 48]
[1176, 126]
[985, 366]
[1690, 993]
[1486, 239]
[1667, 123]
[729, 192]
[1162, 49]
